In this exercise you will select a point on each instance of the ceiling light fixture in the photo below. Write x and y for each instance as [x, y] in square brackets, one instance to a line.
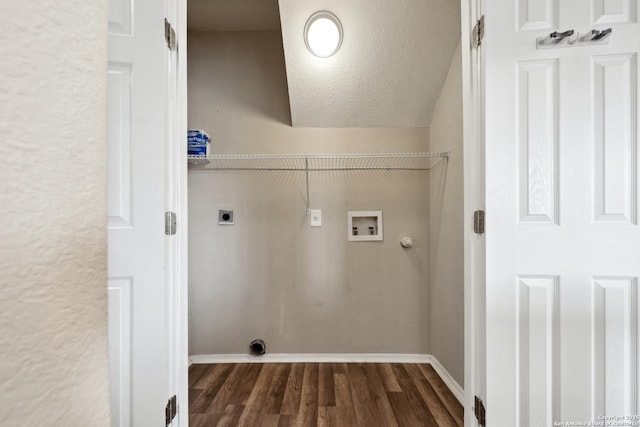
[323, 34]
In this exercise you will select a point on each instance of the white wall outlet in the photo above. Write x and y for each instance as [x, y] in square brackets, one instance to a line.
[316, 217]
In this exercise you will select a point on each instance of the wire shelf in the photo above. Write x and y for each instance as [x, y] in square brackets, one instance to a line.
[319, 162]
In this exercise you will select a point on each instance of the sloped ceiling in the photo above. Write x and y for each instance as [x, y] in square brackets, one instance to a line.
[388, 72]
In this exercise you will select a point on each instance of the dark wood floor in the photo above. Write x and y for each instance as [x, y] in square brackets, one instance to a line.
[320, 394]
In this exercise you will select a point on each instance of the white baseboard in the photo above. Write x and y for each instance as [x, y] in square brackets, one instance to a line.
[455, 388]
[311, 358]
[453, 385]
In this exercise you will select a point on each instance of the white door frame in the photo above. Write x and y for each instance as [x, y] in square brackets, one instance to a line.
[474, 199]
[474, 247]
[177, 169]
[177, 202]
[183, 307]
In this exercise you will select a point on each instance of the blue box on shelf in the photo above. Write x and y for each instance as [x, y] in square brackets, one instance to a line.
[198, 143]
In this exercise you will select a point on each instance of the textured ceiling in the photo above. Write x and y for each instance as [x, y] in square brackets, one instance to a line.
[388, 72]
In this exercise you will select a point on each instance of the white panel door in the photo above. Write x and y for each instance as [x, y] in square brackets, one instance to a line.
[137, 102]
[562, 234]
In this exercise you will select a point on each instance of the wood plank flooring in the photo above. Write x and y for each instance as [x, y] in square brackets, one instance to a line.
[320, 394]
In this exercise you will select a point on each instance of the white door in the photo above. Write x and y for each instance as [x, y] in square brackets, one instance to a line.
[562, 234]
[138, 285]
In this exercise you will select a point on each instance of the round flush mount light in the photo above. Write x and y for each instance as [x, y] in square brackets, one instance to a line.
[323, 34]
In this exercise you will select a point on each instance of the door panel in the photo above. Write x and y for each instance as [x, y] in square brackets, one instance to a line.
[538, 137]
[538, 349]
[119, 294]
[615, 318]
[137, 100]
[563, 242]
[536, 14]
[614, 128]
[613, 11]
[120, 17]
[119, 148]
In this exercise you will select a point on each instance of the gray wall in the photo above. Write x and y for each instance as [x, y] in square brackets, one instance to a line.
[446, 250]
[302, 289]
[53, 257]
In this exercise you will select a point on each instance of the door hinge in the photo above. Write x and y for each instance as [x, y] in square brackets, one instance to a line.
[477, 34]
[170, 223]
[480, 412]
[171, 410]
[478, 222]
[169, 35]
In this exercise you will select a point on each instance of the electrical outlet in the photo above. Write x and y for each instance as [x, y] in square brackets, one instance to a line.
[316, 217]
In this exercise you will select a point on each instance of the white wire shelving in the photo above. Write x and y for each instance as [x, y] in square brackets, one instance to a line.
[319, 162]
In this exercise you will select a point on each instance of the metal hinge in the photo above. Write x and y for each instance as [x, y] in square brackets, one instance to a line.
[478, 222]
[171, 410]
[169, 35]
[480, 412]
[169, 223]
[478, 33]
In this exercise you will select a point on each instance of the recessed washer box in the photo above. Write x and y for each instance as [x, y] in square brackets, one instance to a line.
[225, 217]
[364, 226]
